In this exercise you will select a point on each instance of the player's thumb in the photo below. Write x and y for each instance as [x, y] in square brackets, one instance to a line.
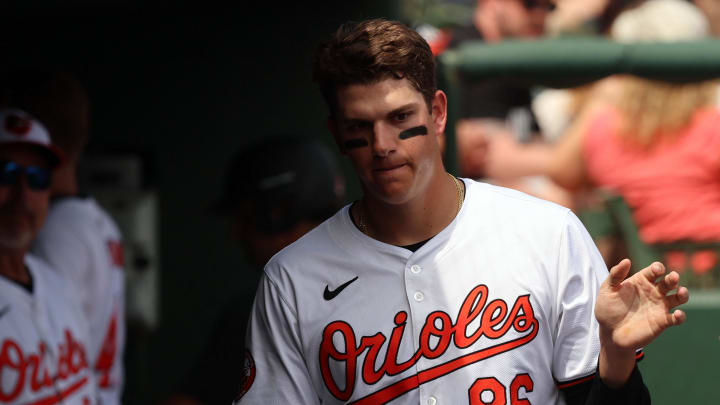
[619, 272]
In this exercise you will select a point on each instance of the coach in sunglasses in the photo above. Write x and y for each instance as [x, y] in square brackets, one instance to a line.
[40, 321]
[26, 161]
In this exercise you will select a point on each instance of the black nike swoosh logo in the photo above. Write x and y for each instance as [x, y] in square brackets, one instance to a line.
[328, 295]
[4, 311]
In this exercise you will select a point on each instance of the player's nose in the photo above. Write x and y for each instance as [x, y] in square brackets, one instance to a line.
[385, 139]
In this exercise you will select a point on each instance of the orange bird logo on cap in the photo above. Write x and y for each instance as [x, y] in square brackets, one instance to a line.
[17, 125]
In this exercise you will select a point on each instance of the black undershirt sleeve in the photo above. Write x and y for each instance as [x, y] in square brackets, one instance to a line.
[595, 392]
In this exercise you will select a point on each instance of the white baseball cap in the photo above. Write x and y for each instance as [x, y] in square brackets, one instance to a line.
[19, 127]
[661, 21]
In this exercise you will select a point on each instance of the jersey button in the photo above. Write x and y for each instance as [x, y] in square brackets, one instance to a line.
[419, 296]
[432, 401]
[415, 269]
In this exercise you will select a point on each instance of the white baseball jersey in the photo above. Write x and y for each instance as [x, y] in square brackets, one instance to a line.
[497, 308]
[43, 342]
[82, 242]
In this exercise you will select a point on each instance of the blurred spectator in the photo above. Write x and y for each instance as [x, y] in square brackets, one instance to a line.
[585, 17]
[664, 136]
[276, 191]
[494, 21]
[79, 239]
[43, 333]
[499, 107]
[654, 143]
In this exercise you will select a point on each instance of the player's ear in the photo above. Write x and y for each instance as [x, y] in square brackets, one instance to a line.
[333, 128]
[438, 109]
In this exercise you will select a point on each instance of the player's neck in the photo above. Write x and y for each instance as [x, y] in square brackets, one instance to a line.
[12, 265]
[416, 220]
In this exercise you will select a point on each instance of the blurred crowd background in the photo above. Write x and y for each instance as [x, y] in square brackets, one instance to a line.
[198, 111]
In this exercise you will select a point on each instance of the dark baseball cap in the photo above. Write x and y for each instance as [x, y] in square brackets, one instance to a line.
[283, 180]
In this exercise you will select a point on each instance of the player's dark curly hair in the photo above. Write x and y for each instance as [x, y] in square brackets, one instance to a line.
[370, 51]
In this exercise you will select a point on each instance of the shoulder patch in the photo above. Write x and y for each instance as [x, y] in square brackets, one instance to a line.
[248, 375]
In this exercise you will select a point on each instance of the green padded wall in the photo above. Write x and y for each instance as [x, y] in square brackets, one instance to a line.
[681, 366]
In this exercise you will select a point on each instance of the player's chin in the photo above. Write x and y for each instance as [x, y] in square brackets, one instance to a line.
[393, 193]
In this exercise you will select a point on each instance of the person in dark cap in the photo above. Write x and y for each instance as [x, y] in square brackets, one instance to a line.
[276, 190]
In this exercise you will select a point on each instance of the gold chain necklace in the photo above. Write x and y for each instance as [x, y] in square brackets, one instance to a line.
[362, 224]
[460, 192]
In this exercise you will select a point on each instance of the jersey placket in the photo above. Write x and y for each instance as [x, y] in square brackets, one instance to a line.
[418, 288]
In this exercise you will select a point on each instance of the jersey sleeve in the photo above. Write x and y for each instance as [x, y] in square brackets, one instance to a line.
[274, 369]
[69, 254]
[581, 271]
[75, 247]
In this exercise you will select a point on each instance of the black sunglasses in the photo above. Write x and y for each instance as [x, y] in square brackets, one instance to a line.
[37, 177]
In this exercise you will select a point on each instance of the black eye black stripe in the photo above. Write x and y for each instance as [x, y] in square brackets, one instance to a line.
[408, 133]
[355, 143]
[414, 131]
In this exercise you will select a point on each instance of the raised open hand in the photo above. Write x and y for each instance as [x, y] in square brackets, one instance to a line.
[632, 312]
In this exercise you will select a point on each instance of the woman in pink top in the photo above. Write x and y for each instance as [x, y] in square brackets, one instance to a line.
[670, 179]
[665, 163]
[656, 144]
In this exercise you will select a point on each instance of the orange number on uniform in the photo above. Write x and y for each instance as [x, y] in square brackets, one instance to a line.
[487, 384]
[498, 390]
[520, 381]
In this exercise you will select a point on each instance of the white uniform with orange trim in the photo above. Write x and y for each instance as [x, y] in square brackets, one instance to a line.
[496, 308]
[81, 240]
[43, 342]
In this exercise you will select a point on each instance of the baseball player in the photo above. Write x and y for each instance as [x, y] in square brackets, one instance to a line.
[43, 333]
[79, 239]
[437, 290]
